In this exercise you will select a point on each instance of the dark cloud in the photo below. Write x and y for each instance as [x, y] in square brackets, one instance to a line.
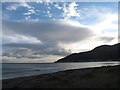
[48, 31]
[31, 50]
[51, 33]
[106, 39]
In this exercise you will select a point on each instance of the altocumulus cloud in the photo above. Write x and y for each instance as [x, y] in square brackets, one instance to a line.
[50, 33]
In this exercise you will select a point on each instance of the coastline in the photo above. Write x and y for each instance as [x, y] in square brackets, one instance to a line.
[98, 77]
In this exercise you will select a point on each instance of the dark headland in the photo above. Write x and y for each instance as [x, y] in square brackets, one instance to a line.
[100, 53]
[99, 77]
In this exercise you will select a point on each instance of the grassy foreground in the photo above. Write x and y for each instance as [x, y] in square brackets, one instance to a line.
[100, 77]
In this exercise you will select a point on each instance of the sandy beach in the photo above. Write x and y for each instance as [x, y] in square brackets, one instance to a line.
[99, 77]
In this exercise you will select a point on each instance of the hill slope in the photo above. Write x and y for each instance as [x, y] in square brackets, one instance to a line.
[101, 53]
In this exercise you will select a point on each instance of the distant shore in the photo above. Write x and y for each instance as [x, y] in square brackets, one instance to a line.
[98, 77]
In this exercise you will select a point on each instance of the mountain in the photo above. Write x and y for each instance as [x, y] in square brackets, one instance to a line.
[100, 53]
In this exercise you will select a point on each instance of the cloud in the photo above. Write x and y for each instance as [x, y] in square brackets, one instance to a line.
[57, 6]
[31, 11]
[25, 4]
[48, 34]
[48, 31]
[17, 52]
[12, 7]
[35, 38]
[70, 11]
[45, 59]
[19, 39]
[41, 49]
[15, 6]
[107, 23]
[107, 29]
[106, 39]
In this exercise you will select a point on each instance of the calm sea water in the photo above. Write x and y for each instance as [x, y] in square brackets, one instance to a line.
[23, 69]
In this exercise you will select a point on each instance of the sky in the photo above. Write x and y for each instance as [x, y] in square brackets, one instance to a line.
[43, 32]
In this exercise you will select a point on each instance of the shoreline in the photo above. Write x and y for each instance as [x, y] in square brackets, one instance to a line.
[93, 77]
[43, 71]
[64, 62]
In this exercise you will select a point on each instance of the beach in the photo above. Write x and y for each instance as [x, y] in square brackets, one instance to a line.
[98, 77]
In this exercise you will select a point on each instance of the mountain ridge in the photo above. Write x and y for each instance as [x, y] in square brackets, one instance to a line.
[100, 53]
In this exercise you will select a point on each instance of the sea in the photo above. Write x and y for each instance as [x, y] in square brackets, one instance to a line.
[13, 70]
